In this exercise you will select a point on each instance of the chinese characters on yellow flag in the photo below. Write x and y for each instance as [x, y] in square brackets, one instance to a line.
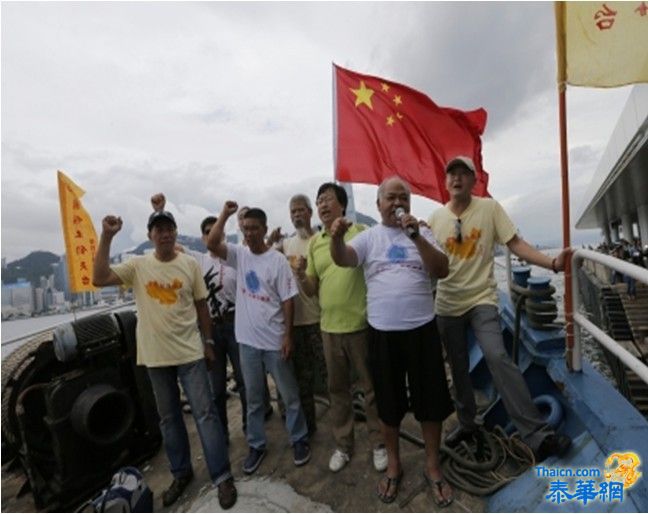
[79, 233]
[602, 44]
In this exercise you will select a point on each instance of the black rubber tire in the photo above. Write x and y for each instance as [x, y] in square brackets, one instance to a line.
[13, 367]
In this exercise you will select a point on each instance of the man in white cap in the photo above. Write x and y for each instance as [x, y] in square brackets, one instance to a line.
[468, 227]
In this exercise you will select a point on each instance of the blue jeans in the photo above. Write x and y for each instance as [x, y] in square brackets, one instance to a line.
[225, 345]
[254, 363]
[195, 382]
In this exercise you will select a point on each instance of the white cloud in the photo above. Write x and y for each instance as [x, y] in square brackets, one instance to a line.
[210, 101]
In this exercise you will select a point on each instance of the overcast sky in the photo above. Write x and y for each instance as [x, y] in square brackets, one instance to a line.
[215, 101]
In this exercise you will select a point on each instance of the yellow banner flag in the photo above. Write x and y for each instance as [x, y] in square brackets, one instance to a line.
[602, 44]
[79, 233]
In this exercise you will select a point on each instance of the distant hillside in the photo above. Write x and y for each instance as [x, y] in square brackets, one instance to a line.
[31, 267]
[366, 220]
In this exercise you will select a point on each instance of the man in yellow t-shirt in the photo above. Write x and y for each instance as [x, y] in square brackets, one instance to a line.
[468, 228]
[171, 302]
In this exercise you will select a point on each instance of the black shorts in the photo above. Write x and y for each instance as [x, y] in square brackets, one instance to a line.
[409, 359]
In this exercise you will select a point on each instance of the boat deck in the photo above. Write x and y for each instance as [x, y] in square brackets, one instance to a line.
[279, 486]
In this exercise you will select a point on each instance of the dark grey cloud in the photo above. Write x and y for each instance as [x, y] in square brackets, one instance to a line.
[495, 55]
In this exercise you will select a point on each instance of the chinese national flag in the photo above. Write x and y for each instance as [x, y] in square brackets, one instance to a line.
[79, 233]
[602, 44]
[384, 129]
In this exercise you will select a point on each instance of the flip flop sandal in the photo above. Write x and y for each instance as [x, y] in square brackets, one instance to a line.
[437, 491]
[392, 482]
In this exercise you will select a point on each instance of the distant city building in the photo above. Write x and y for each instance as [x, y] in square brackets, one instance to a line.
[61, 279]
[20, 296]
[39, 299]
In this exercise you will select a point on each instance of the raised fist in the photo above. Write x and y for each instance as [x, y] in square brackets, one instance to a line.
[158, 201]
[111, 225]
[229, 208]
[340, 227]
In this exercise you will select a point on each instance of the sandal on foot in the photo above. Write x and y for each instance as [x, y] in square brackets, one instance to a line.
[392, 483]
[437, 491]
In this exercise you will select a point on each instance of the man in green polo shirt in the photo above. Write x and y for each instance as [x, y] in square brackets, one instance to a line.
[343, 304]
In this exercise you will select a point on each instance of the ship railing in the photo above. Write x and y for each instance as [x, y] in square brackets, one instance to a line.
[582, 323]
[84, 313]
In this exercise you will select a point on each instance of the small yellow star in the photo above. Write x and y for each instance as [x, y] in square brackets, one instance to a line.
[397, 100]
[390, 120]
[385, 87]
[399, 115]
[363, 95]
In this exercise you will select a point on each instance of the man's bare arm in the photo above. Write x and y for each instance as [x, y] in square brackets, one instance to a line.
[216, 238]
[527, 252]
[288, 308]
[341, 253]
[102, 275]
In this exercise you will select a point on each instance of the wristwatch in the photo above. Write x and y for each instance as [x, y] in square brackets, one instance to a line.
[209, 341]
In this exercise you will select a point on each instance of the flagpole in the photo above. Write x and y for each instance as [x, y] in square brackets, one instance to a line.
[566, 223]
[572, 361]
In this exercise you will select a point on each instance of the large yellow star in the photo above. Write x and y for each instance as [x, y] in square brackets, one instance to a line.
[390, 120]
[363, 95]
[397, 100]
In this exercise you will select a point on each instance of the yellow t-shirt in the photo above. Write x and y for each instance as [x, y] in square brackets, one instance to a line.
[307, 311]
[167, 329]
[342, 291]
[471, 281]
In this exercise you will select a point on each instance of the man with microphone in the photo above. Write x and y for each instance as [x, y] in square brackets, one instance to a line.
[398, 260]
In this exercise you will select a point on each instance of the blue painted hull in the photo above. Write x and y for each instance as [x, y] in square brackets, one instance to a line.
[598, 418]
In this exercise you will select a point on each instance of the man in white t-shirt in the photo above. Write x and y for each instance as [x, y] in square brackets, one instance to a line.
[399, 261]
[171, 304]
[263, 327]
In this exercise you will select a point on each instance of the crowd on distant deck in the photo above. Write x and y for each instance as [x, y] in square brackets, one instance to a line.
[630, 252]
[332, 314]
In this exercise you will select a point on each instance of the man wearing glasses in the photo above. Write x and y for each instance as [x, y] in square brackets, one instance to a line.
[468, 227]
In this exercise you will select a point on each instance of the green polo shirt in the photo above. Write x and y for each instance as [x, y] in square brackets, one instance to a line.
[342, 291]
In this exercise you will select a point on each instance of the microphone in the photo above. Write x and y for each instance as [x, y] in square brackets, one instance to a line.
[411, 231]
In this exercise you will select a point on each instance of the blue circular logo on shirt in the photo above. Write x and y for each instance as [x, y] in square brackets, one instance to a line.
[397, 253]
[252, 281]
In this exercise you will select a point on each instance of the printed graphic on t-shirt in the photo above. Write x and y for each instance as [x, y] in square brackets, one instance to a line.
[397, 253]
[252, 281]
[212, 291]
[166, 294]
[468, 246]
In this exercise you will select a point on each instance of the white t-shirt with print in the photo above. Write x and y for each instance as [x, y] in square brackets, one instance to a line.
[263, 282]
[220, 280]
[399, 288]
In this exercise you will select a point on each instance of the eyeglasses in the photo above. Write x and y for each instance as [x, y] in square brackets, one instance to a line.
[458, 237]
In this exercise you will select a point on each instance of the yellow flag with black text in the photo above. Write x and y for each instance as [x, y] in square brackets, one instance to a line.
[602, 44]
[79, 233]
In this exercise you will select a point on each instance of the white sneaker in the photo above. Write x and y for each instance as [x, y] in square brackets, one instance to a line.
[338, 460]
[380, 458]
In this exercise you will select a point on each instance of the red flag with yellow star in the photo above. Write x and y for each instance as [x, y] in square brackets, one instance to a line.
[383, 129]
